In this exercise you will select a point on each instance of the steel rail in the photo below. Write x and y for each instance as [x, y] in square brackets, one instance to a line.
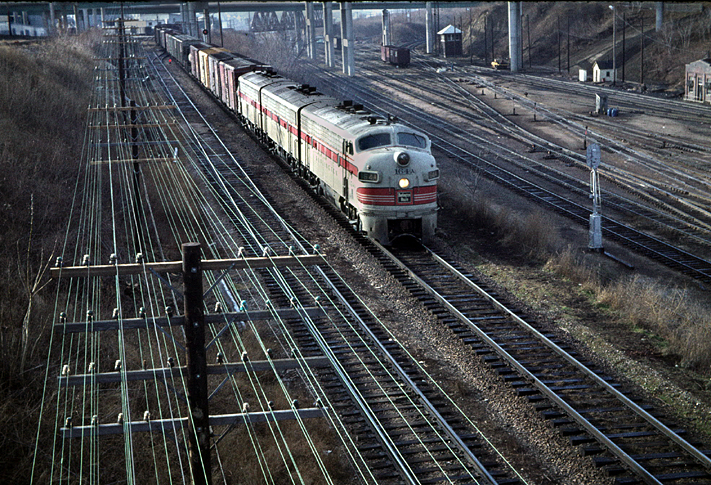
[576, 129]
[674, 221]
[552, 197]
[607, 442]
[705, 460]
[353, 392]
[522, 135]
[388, 444]
[574, 210]
[471, 458]
[506, 127]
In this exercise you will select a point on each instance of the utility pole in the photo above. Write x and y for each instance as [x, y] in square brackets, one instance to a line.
[624, 23]
[641, 67]
[198, 402]
[122, 55]
[559, 53]
[614, 45]
[491, 25]
[486, 44]
[528, 28]
[137, 205]
[193, 321]
[568, 49]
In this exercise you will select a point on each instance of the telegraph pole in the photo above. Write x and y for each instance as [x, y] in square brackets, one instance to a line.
[194, 326]
[624, 23]
[559, 69]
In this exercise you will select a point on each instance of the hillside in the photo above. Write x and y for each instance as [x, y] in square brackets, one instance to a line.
[44, 92]
[685, 36]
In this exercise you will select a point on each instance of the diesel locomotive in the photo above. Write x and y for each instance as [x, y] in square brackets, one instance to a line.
[378, 171]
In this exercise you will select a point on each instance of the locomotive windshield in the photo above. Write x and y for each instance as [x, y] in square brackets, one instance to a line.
[411, 140]
[373, 141]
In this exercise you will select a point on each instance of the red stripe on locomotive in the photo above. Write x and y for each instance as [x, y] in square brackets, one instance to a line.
[386, 196]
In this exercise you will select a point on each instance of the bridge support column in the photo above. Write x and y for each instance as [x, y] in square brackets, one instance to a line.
[310, 31]
[192, 19]
[347, 43]
[515, 53]
[429, 27]
[328, 32]
[76, 19]
[52, 20]
[659, 7]
[387, 40]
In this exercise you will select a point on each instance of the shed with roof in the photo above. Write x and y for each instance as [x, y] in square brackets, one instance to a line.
[450, 38]
[604, 71]
[698, 81]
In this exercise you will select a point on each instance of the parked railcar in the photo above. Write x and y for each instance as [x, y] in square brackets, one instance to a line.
[230, 71]
[194, 58]
[398, 56]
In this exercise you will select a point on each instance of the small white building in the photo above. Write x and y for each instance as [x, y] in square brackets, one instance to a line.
[698, 81]
[603, 71]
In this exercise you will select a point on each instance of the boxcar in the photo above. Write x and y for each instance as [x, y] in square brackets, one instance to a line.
[398, 56]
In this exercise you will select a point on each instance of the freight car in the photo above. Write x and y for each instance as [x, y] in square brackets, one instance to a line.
[398, 56]
[379, 172]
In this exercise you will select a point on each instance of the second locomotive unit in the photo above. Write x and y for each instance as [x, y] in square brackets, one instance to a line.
[379, 172]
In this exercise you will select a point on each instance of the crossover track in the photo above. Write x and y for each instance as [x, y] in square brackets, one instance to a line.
[399, 423]
[453, 141]
[615, 427]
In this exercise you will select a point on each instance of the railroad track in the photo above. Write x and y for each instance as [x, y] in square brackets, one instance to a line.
[681, 195]
[579, 399]
[452, 140]
[661, 106]
[399, 425]
[616, 138]
[623, 436]
[620, 431]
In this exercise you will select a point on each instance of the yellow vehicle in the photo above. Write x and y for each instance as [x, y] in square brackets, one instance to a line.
[500, 64]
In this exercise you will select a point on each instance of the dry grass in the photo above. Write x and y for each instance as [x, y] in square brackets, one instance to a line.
[531, 236]
[44, 92]
[678, 325]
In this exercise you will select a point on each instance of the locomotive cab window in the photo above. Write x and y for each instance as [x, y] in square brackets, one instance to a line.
[374, 141]
[411, 140]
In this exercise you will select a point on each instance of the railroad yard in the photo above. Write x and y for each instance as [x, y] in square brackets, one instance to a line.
[475, 360]
[531, 442]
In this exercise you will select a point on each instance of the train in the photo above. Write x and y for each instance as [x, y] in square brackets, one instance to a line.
[379, 172]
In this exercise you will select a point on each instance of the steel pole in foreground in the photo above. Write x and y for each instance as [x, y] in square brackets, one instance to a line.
[199, 418]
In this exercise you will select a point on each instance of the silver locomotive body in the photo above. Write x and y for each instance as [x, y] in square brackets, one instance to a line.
[379, 172]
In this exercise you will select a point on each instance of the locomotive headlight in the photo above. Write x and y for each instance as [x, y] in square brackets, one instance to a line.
[402, 158]
[404, 183]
